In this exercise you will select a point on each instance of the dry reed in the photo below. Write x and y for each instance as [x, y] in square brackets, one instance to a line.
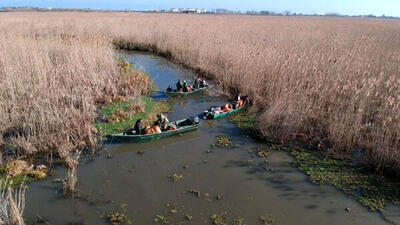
[50, 79]
[69, 184]
[331, 82]
[12, 204]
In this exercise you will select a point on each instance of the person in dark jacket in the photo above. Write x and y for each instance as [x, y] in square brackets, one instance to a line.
[138, 127]
[169, 89]
[185, 87]
[179, 86]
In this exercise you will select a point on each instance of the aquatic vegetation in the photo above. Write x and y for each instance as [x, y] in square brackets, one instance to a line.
[220, 219]
[267, 219]
[248, 122]
[116, 218]
[161, 220]
[37, 174]
[223, 141]
[350, 178]
[188, 217]
[175, 177]
[239, 221]
[18, 172]
[263, 152]
[196, 192]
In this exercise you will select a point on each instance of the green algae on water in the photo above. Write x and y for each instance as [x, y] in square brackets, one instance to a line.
[223, 141]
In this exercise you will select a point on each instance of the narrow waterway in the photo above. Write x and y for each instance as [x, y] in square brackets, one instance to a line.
[135, 179]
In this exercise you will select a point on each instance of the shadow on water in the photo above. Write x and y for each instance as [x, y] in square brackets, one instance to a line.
[221, 179]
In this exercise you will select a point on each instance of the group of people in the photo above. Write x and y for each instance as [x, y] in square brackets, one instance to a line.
[239, 102]
[160, 125]
[184, 87]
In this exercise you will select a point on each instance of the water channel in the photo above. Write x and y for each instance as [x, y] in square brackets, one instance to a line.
[230, 180]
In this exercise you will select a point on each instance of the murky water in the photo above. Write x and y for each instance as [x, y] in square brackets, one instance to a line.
[138, 184]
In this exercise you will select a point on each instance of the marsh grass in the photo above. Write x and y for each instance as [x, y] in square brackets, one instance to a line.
[12, 203]
[330, 82]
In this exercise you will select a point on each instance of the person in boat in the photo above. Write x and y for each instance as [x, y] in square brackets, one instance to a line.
[138, 127]
[238, 97]
[202, 83]
[185, 86]
[179, 86]
[196, 83]
[240, 100]
[163, 120]
[156, 128]
[226, 108]
[169, 89]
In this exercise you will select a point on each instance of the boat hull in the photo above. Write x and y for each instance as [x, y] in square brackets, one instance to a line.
[132, 138]
[173, 93]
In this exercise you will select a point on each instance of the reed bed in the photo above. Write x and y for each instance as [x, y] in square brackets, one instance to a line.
[333, 83]
[51, 76]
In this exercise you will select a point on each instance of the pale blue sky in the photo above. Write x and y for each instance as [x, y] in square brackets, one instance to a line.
[349, 7]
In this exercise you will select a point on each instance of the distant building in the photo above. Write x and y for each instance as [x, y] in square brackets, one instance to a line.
[201, 11]
[221, 11]
[175, 10]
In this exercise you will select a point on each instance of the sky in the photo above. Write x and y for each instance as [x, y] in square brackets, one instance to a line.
[347, 7]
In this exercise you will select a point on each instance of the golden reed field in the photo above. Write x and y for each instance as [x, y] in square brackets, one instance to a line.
[333, 83]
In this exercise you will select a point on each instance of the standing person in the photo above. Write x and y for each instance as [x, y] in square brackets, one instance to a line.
[163, 120]
[138, 127]
[179, 86]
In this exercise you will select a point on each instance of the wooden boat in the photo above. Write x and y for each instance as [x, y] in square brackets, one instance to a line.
[211, 115]
[183, 126]
[175, 93]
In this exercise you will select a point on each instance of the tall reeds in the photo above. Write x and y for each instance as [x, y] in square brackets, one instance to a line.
[12, 204]
[69, 184]
[51, 76]
[331, 82]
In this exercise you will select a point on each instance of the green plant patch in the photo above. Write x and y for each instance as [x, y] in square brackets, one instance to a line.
[244, 119]
[116, 218]
[111, 109]
[349, 178]
[17, 180]
[223, 141]
[247, 122]
[151, 109]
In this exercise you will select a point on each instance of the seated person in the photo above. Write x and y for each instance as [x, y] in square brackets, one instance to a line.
[148, 130]
[226, 108]
[179, 86]
[169, 89]
[203, 83]
[163, 121]
[138, 127]
[156, 128]
[196, 82]
[185, 87]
